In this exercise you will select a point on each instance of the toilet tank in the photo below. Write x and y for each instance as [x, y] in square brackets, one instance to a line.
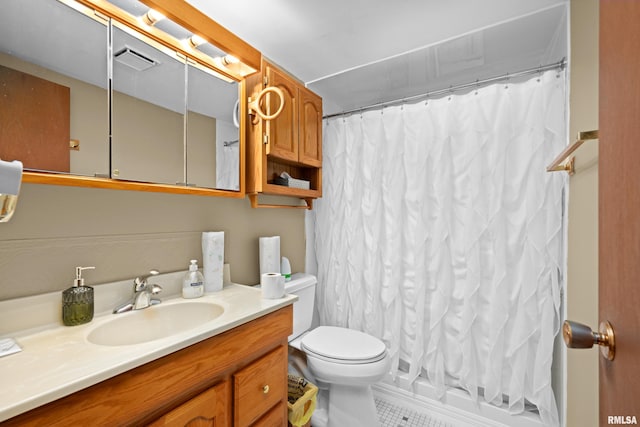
[304, 286]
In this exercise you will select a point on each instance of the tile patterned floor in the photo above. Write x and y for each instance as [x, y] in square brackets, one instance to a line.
[392, 415]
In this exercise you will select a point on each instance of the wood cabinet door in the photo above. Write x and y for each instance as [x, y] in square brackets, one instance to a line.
[277, 416]
[208, 409]
[283, 131]
[310, 131]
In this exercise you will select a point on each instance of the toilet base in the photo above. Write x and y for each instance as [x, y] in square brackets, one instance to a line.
[350, 406]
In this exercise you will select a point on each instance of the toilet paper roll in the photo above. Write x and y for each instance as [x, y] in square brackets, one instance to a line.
[269, 254]
[213, 260]
[272, 285]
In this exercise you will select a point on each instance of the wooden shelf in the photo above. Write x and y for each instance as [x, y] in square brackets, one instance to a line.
[114, 184]
[281, 190]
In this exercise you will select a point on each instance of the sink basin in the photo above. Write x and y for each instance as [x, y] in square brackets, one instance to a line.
[158, 321]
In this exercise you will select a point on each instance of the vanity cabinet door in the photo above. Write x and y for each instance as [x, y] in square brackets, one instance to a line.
[208, 409]
[260, 386]
[278, 416]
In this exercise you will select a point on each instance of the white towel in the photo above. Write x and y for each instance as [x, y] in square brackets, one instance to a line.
[10, 177]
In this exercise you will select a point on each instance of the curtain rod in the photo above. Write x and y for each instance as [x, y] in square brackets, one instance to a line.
[556, 65]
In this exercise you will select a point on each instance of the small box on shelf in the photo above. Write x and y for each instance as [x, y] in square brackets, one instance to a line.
[286, 180]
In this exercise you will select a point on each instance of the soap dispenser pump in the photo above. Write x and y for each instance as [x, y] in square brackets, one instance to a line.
[193, 283]
[77, 301]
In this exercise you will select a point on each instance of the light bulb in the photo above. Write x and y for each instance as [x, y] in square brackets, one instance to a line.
[230, 59]
[152, 17]
[195, 40]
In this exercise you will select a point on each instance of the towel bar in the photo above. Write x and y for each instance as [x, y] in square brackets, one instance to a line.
[255, 204]
[563, 162]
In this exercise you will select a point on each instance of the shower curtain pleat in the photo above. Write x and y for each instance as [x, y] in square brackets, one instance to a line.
[440, 232]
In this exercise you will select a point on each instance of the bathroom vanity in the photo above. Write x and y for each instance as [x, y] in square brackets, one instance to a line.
[230, 371]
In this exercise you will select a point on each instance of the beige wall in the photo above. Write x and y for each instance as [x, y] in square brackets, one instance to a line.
[582, 286]
[126, 233]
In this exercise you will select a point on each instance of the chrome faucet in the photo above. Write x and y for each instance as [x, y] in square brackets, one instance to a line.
[143, 294]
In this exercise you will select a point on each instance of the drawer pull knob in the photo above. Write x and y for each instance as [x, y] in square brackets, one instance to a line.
[265, 389]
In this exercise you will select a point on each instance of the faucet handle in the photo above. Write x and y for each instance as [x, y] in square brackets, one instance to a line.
[139, 283]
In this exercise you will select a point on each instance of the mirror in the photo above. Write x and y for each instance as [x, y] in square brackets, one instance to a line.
[169, 123]
[147, 142]
[212, 130]
[53, 88]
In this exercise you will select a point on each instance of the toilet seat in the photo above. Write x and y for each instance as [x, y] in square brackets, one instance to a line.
[344, 346]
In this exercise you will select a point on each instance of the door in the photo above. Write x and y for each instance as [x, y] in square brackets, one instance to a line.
[619, 208]
[35, 124]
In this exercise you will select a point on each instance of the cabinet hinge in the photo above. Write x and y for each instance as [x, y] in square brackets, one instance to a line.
[265, 139]
[265, 81]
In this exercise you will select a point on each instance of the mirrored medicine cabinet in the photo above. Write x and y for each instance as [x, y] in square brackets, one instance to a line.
[96, 93]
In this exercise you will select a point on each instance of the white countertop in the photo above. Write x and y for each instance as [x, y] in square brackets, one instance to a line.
[56, 360]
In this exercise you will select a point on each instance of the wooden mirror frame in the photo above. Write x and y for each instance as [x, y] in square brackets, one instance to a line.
[195, 21]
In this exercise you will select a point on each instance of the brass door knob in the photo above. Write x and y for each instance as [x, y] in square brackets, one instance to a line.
[577, 335]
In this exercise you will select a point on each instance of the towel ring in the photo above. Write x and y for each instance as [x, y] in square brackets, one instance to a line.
[254, 105]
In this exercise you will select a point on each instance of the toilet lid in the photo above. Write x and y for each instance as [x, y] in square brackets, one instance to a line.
[343, 344]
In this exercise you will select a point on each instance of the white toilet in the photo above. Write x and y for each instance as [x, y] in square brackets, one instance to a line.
[344, 362]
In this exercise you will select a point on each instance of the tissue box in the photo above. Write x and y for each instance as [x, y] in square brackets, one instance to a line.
[298, 183]
[286, 180]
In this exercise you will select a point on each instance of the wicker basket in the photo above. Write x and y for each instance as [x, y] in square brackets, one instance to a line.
[303, 394]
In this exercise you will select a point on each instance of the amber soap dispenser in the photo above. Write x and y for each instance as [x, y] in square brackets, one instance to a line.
[77, 301]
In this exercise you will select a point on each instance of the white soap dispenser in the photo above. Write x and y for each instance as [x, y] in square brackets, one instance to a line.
[193, 284]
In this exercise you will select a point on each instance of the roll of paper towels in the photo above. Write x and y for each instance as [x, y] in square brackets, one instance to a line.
[272, 285]
[269, 254]
[212, 260]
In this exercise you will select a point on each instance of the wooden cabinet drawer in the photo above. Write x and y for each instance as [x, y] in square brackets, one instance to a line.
[260, 386]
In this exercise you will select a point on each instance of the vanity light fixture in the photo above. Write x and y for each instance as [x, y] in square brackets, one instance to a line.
[195, 41]
[228, 62]
[229, 59]
[152, 17]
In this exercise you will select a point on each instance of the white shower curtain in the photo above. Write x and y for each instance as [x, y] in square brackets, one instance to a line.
[440, 232]
[227, 156]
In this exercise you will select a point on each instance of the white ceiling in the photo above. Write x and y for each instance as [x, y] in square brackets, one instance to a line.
[350, 51]
[354, 53]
